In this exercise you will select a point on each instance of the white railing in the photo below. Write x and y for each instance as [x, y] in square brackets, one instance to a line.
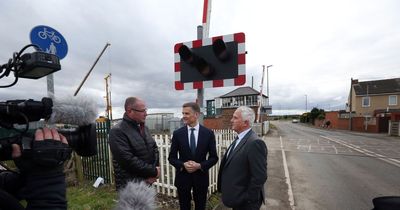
[165, 184]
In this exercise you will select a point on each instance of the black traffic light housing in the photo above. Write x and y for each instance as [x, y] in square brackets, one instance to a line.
[193, 60]
[214, 60]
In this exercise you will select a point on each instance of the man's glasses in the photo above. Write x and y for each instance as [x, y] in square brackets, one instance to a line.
[138, 110]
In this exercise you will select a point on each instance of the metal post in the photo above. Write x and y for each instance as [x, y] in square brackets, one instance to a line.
[50, 86]
[202, 32]
[306, 103]
[200, 91]
[260, 100]
[268, 84]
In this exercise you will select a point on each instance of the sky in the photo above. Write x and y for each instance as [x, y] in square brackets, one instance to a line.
[315, 47]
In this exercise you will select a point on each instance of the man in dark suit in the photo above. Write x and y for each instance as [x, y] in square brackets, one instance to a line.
[193, 142]
[243, 169]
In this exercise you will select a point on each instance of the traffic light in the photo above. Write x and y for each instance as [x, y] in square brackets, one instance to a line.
[212, 62]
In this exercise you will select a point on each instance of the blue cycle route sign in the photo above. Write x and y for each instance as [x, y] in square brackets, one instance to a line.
[50, 40]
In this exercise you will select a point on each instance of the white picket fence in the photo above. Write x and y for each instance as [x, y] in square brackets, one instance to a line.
[165, 184]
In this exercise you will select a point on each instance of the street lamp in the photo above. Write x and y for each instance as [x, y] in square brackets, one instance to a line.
[306, 102]
[268, 83]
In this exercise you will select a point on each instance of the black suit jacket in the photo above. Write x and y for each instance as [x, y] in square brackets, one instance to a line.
[205, 146]
[241, 177]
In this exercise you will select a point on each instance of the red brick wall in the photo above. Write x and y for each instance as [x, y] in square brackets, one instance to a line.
[333, 118]
[395, 117]
[358, 123]
[343, 124]
[213, 123]
[223, 121]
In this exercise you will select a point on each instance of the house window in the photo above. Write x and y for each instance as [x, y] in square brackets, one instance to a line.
[393, 100]
[366, 102]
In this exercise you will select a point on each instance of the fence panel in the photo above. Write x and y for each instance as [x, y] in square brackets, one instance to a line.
[99, 165]
[165, 184]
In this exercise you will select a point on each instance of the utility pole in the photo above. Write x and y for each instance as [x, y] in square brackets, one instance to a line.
[268, 83]
[108, 97]
[306, 102]
[260, 100]
[350, 104]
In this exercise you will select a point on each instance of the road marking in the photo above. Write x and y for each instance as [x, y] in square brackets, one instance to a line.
[335, 149]
[290, 192]
[365, 152]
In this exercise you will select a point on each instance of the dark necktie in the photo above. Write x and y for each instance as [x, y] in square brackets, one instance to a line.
[192, 141]
[232, 147]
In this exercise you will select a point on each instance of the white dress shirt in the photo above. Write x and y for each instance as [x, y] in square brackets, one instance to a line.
[196, 133]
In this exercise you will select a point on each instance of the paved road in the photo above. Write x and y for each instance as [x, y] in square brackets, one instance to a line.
[312, 168]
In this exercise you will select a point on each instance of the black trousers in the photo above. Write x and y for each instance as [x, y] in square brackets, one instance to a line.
[249, 206]
[199, 197]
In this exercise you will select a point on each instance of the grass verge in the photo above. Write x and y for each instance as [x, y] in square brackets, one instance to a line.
[86, 197]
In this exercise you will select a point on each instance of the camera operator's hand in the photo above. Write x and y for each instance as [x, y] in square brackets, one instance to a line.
[48, 153]
[40, 135]
[42, 170]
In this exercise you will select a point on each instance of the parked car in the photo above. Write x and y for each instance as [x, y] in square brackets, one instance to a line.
[295, 120]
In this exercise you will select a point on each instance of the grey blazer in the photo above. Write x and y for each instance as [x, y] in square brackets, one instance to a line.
[241, 177]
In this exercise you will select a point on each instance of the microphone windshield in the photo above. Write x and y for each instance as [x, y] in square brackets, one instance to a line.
[74, 110]
[135, 196]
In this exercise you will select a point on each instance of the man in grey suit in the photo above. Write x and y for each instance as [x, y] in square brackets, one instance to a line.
[243, 170]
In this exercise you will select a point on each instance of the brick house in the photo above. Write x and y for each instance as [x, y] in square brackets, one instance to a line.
[375, 98]
[219, 111]
[374, 107]
[373, 104]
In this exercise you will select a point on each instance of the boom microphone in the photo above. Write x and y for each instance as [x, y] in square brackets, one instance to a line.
[136, 196]
[74, 110]
[80, 112]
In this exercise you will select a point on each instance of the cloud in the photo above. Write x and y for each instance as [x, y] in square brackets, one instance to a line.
[315, 47]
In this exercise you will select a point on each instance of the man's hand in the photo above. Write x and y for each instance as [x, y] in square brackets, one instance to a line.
[48, 152]
[191, 166]
[40, 135]
[151, 180]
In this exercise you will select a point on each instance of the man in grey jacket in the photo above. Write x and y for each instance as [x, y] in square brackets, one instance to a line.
[135, 152]
[243, 170]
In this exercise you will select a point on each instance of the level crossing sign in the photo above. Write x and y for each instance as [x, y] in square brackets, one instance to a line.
[209, 63]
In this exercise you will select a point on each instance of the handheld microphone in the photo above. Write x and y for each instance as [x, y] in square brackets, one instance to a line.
[136, 196]
[74, 110]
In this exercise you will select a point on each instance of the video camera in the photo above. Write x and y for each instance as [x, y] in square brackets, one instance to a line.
[35, 65]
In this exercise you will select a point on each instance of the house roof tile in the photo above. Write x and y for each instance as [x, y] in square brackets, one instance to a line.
[386, 86]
